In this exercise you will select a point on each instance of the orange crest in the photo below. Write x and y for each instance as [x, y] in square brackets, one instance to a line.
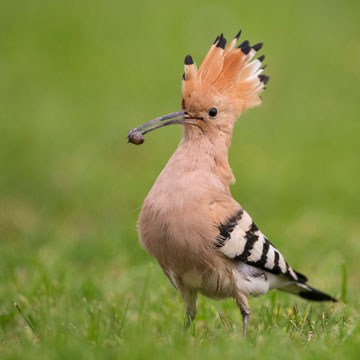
[228, 73]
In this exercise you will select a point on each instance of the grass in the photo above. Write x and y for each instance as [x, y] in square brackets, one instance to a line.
[75, 76]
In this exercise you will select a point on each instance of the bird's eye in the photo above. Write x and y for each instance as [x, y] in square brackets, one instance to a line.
[213, 112]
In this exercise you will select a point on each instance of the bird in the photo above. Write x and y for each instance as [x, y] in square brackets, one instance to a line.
[203, 239]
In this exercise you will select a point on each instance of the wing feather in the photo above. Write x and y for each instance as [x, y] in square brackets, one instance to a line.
[240, 239]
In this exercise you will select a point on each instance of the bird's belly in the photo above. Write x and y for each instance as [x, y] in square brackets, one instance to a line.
[215, 284]
[192, 279]
[250, 280]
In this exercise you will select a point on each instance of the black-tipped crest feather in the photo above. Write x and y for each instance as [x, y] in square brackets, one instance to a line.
[188, 60]
[264, 78]
[258, 46]
[246, 49]
[221, 43]
[244, 43]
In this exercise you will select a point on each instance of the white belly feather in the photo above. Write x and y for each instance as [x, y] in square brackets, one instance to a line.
[250, 280]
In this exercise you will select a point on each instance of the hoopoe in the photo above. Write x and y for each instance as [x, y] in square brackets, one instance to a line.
[202, 238]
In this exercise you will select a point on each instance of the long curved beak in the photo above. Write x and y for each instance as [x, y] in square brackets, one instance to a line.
[135, 136]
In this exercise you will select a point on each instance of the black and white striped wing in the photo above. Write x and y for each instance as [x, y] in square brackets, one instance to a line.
[240, 239]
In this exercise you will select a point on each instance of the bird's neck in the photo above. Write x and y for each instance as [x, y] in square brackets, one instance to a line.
[205, 153]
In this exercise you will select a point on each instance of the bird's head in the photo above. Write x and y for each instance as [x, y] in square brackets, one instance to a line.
[227, 83]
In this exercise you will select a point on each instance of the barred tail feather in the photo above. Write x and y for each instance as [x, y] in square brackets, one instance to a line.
[307, 292]
[301, 277]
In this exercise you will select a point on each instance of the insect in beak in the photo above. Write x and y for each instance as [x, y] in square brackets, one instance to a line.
[136, 135]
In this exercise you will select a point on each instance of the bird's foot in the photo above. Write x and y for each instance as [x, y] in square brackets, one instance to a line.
[246, 317]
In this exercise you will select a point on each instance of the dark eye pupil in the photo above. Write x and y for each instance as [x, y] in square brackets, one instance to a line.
[213, 112]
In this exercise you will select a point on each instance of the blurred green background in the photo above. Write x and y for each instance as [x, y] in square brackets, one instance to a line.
[75, 76]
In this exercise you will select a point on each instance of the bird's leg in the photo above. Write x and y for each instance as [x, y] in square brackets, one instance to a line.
[246, 317]
[189, 299]
[243, 304]
[190, 318]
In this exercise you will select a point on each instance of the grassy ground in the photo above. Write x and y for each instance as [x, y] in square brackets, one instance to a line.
[74, 77]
